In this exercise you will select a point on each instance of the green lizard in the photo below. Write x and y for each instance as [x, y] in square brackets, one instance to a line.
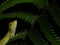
[10, 33]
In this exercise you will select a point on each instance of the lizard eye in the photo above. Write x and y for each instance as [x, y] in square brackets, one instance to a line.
[10, 24]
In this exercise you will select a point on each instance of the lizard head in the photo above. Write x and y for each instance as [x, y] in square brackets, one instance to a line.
[12, 27]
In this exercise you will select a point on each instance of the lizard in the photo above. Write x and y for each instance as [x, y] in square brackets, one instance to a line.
[11, 32]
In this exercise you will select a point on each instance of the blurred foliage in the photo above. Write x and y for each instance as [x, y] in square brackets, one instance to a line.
[38, 21]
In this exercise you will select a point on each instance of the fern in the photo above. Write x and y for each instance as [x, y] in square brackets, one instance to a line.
[45, 34]
[10, 3]
[24, 16]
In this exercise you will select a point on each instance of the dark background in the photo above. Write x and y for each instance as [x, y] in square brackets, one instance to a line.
[26, 7]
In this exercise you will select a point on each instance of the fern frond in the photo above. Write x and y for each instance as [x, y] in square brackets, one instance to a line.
[27, 17]
[8, 4]
[36, 38]
[48, 31]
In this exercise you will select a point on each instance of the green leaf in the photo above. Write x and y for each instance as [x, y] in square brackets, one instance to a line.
[35, 36]
[24, 16]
